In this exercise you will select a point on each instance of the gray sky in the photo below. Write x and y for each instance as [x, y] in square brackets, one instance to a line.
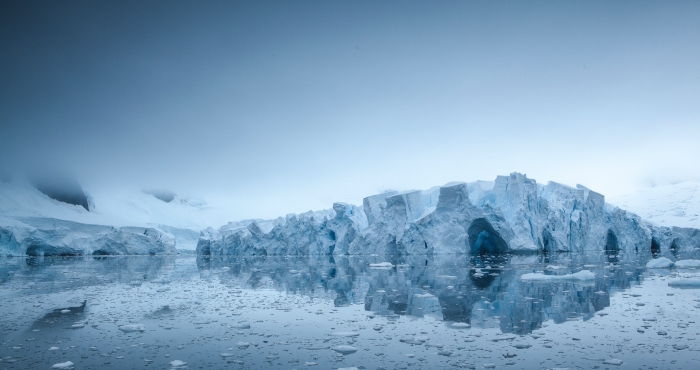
[279, 107]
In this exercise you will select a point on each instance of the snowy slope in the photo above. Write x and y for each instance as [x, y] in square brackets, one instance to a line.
[182, 217]
[666, 205]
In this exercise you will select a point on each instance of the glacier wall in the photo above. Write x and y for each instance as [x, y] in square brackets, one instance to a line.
[513, 214]
[53, 237]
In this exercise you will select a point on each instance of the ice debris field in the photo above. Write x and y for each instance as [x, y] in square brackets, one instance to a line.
[177, 312]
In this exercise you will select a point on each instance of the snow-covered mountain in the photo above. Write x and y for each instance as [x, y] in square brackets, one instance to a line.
[26, 211]
[665, 205]
[511, 214]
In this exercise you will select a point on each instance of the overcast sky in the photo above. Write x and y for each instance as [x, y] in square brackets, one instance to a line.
[277, 107]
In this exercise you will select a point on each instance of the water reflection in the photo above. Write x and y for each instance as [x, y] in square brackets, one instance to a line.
[482, 291]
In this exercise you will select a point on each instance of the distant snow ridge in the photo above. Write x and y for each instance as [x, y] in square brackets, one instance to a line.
[511, 214]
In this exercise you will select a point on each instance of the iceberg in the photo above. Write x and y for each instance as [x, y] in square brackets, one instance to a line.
[513, 214]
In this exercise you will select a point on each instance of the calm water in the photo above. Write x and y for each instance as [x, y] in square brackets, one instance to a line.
[326, 313]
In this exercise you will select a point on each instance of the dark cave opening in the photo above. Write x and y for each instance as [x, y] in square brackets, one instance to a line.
[483, 239]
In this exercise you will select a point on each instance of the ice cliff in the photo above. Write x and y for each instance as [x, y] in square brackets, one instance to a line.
[53, 237]
[511, 214]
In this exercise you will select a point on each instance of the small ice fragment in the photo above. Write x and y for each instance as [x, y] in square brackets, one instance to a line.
[63, 365]
[613, 361]
[522, 345]
[177, 363]
[53, 349]
[381, 265]
[581, 275]
[243, 345]
[345, 350]
[460, 325]
[242, 325]
[345, 334]
[130, 328]
[65, 311]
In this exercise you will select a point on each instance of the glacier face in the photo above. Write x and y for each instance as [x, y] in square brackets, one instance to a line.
[34, 236]
[511, 214]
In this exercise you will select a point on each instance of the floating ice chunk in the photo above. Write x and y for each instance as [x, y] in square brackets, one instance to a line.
[504, 337]
[225, 354]
[177, 363]
[345, 334]
[412, 341]
[554, 267]
[243, 345]
[316, 348]
[381, 265]
[581, 275]
[130, 328]
[65, 311]
[522, 345]
[345, 350]
[687, 264]
[613, 361]
[242, 325]
[659, 263]
[348, 368]
[53, 349]
[685, 283]
[460, 325]
[63, 365]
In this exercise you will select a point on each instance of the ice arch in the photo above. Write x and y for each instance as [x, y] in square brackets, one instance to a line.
[655, 247]
[483, 239]
[611, 247]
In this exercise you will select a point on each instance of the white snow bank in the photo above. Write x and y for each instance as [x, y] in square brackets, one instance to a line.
[659, 263]
[687, 264]
[579, 276]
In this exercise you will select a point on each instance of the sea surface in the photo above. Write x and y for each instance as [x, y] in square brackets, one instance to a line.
[441, 312]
